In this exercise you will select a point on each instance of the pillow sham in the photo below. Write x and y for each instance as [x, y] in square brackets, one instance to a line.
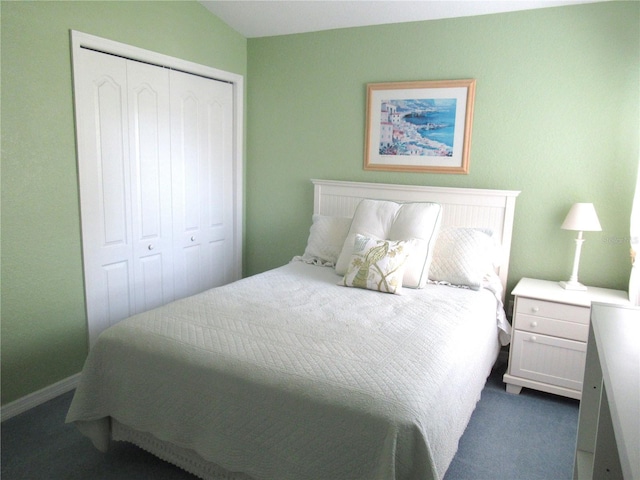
[463, 256]
[326, 238]
[386, 220]
[420, 221]
[377, 264]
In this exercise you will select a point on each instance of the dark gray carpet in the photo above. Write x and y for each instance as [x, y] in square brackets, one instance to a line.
[509, 437]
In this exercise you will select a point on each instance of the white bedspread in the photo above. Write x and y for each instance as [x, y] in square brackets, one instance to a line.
[286, 375]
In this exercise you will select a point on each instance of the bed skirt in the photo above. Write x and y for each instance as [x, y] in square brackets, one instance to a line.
[186, 459]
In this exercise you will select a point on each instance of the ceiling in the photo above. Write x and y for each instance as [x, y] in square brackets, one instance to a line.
[264, 18]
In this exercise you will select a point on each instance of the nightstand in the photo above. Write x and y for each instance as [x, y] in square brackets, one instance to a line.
[549, 336]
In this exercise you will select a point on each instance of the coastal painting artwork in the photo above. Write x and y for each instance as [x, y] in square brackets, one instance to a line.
[419, 126]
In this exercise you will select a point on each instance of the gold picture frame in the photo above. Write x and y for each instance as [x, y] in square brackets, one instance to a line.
[422, 126]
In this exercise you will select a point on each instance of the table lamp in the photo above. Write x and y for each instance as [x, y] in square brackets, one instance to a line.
[581, 218]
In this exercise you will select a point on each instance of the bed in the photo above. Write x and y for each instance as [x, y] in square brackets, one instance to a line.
[291, 374]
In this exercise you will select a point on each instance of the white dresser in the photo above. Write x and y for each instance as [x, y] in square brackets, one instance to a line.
[608, 441]
[549, 338]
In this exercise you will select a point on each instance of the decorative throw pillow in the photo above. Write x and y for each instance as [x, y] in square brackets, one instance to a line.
[377, 264]
[396, 221]
[463, 256]
[326, 238]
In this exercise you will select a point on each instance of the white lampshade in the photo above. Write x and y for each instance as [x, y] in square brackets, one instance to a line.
[582, 217]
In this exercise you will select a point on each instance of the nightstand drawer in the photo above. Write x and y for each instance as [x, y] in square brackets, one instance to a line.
[551, 360]
[559, 311]
[551, 326]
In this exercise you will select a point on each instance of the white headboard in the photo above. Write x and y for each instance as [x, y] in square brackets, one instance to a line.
[462, 207]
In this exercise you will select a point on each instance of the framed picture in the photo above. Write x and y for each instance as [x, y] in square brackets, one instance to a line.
[419, 126]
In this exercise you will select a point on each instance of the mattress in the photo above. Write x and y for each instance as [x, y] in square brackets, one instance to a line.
[286, 375]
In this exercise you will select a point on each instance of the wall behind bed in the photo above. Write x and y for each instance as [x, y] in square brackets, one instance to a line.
[556, 116]
[44, 333]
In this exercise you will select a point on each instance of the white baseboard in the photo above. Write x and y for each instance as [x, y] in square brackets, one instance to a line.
[37, 398]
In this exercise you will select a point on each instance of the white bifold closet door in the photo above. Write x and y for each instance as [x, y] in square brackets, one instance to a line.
[201, 146]
[155, 169]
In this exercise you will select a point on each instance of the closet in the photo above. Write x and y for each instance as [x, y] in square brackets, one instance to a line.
[159, 177]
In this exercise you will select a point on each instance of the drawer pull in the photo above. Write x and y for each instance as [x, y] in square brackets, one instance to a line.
[534, 324]
[535, 309]
[533, 338]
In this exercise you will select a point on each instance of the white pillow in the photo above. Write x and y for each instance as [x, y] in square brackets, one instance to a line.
[387, 220]
[420, 221]
[326, 238]
[463, 256]
[377, 264]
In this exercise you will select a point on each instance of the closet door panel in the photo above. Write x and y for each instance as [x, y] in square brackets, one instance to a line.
[151, 291]
[203, 182]
[187, 166]
[219, 270]
[149, 118]
[117, 303]
[191, 262]
[111, 160]
[104, 173]
[218, 208]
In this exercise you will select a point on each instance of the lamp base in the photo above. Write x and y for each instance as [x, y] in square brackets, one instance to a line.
[569, 285]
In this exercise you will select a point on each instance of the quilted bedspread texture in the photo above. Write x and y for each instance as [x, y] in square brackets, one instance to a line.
[288, 376]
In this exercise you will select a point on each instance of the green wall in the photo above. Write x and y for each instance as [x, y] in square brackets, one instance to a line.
[556, 116]
[43, 313]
